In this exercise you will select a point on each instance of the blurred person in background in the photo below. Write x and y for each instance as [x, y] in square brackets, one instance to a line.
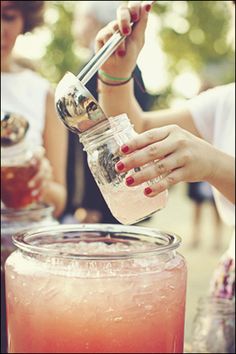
[26, 93]
[201, 193]
[85, 202]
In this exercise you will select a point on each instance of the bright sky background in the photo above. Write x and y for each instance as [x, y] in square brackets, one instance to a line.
[151, 60]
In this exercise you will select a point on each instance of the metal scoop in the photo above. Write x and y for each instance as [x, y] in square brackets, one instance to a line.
[76, 107]
[13, 128]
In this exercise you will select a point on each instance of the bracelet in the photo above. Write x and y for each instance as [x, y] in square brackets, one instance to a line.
[112, 78]
[114, 84]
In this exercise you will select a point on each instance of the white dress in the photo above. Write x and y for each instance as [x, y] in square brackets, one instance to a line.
[213, 112]
[25, 93]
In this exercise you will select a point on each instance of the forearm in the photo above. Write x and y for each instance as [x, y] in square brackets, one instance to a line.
[223, 176]
[115, 100]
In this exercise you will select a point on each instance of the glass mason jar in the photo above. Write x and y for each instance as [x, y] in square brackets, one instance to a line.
[102, 143]
[214, 326]
[13, 221]
[95, 288]
[19, 164]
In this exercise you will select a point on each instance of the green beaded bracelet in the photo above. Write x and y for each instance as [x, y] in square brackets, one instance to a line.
[112, 78]
[114, 83]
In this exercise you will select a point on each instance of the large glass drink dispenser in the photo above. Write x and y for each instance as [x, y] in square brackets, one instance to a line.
[13, 221]
[95, 289]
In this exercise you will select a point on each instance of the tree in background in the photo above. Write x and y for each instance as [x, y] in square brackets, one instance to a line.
[193, 36]
[60, 55]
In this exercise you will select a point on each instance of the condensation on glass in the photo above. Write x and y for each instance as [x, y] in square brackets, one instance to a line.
[102, 143]
[96, 289]
[13, 221]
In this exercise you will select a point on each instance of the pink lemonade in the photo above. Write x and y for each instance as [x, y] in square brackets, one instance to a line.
[122, 199]
[115, 305]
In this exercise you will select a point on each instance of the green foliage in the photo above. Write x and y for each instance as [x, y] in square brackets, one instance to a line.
[195, 37]
[60, 56]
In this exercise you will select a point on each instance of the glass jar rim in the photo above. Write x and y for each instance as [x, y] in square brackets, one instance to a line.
[216, 304]
[33, 209]
[105, 129]
[167, 241]
[104, 123]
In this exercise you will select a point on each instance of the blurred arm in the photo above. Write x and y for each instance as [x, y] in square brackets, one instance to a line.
[223, 176]
[120, 99]
[55, 143]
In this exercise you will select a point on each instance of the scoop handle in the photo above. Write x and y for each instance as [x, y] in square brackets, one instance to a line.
[102, 55]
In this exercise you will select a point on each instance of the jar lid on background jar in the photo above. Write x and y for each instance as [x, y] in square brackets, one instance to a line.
[16, 220]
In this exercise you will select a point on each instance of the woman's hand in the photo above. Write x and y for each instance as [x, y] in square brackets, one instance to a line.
[43, 185]
[40, 181]
[123, 61]
[175, 155]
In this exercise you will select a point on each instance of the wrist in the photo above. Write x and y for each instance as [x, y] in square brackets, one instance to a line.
[109, 78]
[223, 177]
[116, 74]
[210, 164]
[108, 87]
[217, 163]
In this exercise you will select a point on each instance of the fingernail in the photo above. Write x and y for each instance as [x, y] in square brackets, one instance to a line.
[134, 17]
[121, 53]
[124, 148]
[148, 8]
[129, 180]
[120, 166]
[126, 30]
[147, 190]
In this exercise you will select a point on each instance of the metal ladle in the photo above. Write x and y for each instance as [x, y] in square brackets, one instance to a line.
[13, 128]
[75, 105]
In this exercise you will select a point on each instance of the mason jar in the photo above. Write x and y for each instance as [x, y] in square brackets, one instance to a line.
[102, 144]
[19, 164]
[13, 221]
[214, 326]
[95, 288]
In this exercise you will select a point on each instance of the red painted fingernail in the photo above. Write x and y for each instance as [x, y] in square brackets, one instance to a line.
[120, 166]
[124, 148]
[121, 53]
[148, 8]
[129, 180]
[147, 190]
[134, 17]
[126, 30]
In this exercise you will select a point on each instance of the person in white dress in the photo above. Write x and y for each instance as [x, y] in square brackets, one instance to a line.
[26, 93]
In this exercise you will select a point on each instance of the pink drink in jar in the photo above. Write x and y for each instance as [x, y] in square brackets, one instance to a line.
[96, 289]
[102, 143]
[13, 221]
